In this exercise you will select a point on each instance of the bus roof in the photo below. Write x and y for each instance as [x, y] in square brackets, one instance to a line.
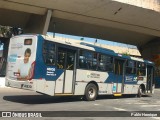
[92, 47]
[88, 46]
[111, 52]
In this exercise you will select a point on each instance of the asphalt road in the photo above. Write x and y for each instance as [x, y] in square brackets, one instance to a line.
[12, 99]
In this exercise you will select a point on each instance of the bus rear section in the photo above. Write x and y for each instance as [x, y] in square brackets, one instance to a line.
[21, 62]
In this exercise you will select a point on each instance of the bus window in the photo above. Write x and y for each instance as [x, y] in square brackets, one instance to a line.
[61, 60]
[109, 63]
[89, 56]
[102, 61]
[105, 63]
[85, 59]
[70, 61]
[131, 67]
[118, 66]
[49, 53]
[141, 69]
[95, 61]
[28, 42]
[82, 59]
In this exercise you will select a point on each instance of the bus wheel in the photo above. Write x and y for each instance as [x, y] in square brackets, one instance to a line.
[91, 92]
[140, 92]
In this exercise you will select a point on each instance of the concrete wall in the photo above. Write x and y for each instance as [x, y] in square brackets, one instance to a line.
[148, 4]
[150, 49]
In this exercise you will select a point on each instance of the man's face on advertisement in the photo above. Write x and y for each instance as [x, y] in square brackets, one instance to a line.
[26, 57]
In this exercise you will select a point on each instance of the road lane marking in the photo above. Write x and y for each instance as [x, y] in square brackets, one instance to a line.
[150, 105]
[141, 103]
[96, 104]
[138, 103]
[120, 109]
[156, 118]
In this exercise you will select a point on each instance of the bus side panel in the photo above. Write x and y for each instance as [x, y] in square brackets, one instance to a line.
[135, 89]
[49, 87]
[80, 88]
[87, 76]
[109, 88]
[46, 87]
[130, 84]
[103, 79]
[83, 77]
[59, 84]
[104, 89]
[130, 89]
[44, 84]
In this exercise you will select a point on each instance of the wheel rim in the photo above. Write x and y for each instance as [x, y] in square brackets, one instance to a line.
[91, 93]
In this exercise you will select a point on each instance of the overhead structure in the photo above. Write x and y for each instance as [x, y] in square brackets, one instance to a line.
[126, 21]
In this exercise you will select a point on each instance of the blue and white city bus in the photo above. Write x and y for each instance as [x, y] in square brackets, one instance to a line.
[59, 68]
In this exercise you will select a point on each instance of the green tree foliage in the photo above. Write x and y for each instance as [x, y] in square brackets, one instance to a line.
[126, 54]
[7, 31]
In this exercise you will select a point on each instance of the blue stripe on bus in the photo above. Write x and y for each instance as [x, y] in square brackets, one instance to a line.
[128, 79]
[41, 69]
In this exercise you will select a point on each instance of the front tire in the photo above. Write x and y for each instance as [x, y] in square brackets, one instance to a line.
[91, 92]
[140, 92]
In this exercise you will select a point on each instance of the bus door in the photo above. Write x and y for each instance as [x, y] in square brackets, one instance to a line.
[118, 86]
[66, 66]
[150, 78]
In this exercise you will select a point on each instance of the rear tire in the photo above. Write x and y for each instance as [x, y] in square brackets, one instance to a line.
[91, 92]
